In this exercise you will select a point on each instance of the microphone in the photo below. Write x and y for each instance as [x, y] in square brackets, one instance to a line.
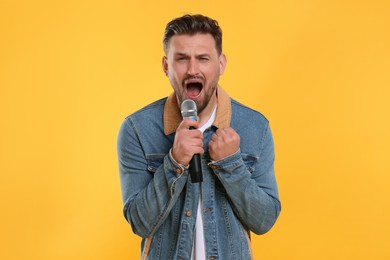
[189, 110]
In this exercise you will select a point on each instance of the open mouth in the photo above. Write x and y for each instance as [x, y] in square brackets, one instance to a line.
[193, 87]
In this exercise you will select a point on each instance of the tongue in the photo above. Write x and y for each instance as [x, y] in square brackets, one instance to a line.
[193, 90]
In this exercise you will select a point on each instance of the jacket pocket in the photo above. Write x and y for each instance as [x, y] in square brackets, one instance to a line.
[154, 161]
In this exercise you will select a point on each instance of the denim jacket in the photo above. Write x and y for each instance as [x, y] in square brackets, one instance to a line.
[160, 202]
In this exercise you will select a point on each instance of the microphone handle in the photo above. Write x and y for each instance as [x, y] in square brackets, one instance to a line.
[196, 167]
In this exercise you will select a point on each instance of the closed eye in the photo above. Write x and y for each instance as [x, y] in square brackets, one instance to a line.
[203, 58]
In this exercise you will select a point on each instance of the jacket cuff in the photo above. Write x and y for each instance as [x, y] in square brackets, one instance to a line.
[231, 161]
[179, 168]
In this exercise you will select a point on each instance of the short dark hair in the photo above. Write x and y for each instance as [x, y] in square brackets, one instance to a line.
[192, 24]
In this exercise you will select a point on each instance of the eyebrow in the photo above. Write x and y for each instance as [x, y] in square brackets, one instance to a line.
[182, 54]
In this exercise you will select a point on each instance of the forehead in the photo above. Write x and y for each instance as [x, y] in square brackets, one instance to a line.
[188, 43]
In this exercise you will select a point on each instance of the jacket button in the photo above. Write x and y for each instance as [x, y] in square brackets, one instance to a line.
[214, 167]
[179, 171]
[189, 213]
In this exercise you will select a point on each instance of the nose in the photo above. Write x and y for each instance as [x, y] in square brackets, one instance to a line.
[193, 67]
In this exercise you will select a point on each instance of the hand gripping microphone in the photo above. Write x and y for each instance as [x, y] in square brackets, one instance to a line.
[188, 110]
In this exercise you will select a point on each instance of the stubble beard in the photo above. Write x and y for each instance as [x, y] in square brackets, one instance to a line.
[201, 105]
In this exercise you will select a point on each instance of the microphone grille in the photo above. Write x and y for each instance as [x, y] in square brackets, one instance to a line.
[188, 109]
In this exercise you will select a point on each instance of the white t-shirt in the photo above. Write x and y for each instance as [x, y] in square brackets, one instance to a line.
[198, 250]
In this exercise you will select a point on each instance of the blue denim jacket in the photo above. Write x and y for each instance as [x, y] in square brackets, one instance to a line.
[160, 201]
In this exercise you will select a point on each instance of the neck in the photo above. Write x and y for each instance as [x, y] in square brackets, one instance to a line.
[206, 113]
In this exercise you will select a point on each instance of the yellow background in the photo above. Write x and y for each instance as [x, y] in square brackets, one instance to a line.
[70, 71]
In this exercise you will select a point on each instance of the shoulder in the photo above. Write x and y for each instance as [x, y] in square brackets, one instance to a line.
[155, 106]
[149, 111]
[244, 114]
[149, 115]
[252, 126]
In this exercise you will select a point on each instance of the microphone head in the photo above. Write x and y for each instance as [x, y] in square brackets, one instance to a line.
[188, 109]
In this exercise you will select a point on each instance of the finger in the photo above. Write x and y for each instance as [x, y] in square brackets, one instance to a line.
[220, 132]
[196, 142]
[228, 134]
[198, 150]
[195, 134]
[214, 138]
[187, 123]
[230, 131]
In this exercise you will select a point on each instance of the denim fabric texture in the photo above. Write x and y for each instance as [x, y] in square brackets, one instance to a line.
[240, 193]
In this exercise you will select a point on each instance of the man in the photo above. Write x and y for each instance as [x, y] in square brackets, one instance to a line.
[176, 218]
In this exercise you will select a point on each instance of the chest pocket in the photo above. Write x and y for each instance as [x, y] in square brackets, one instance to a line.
[249, 161]
[154, 161]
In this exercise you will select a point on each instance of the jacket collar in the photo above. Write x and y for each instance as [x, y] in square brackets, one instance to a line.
[172, 114]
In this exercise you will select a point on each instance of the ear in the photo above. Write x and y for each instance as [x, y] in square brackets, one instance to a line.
[165, 65]
[222, 63]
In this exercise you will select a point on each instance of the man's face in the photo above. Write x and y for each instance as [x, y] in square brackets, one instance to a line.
[193, 67]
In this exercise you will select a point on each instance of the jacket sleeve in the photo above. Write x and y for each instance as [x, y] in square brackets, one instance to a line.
[148, 196]
[253, 194]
